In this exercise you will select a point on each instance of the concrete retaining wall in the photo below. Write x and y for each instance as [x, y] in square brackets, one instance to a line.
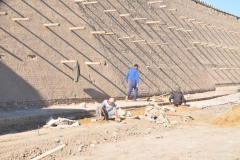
[30, 68]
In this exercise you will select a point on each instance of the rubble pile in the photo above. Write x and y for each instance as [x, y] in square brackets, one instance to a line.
[61, 122]
[157, 114]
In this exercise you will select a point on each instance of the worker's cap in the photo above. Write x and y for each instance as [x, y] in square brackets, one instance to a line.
[111, 99]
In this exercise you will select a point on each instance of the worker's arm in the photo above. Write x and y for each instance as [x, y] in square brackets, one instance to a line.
[127, 75]
[171, 97]
[183, 100]
[100, 112]
[116, 114]
[137, 77]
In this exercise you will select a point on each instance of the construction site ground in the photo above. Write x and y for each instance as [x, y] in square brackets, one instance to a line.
[198, 137]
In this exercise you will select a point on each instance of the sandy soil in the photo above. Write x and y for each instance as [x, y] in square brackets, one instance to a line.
[132, 139]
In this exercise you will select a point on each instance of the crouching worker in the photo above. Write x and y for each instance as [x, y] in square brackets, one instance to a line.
[177, 97]
[107, 109]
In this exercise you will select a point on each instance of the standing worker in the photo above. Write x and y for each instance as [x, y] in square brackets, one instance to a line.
[177, 97]
[132, 79]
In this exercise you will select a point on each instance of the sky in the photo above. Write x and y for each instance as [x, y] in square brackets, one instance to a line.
[231, 6]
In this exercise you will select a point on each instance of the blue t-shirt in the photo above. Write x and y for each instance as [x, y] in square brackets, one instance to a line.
[108, 107]
[132, 75]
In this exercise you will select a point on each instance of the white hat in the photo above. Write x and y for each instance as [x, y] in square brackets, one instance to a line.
[111, 99]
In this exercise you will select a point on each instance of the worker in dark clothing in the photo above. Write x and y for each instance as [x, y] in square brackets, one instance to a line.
[177, 97]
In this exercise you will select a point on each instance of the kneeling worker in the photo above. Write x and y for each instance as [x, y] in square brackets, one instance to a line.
[108, 109]
[177, 97]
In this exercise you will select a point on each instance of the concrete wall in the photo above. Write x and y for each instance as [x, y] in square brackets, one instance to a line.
[53, 82]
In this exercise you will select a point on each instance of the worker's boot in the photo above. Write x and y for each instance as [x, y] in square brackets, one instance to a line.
[126, 98]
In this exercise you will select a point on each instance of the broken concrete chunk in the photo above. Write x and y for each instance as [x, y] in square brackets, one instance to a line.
[129, 114]
[165, 124]
[82, 105]
[159, 122]
[159, 137]
[169, 109]
[149, 108]
[135, 117]
[161, 118]
[57, 140]
[154, 110]
[61, 121]
[121, 112]
[141, 117]
[76, 124]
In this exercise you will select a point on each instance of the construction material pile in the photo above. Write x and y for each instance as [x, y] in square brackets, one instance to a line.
[230, 118]
[157, 114]
[62, 122]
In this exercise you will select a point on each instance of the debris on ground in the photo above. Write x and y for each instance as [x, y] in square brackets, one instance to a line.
[157, 99]
[121, 112]
[154, 115]
[49, 152]
[82, 105]
[61, 122]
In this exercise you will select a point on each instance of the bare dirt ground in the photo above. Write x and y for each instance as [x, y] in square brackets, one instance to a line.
[133, 139]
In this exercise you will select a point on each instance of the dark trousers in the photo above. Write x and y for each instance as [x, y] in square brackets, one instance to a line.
[177, 104]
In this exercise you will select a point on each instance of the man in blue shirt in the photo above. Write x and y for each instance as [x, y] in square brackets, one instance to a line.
[132, 79]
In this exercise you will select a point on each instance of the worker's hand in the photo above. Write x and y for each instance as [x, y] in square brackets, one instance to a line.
[137, 85]
[101, 118]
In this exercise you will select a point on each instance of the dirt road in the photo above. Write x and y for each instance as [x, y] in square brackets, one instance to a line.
[132, 139]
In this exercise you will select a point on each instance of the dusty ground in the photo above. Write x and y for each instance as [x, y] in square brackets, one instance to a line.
[133, 139]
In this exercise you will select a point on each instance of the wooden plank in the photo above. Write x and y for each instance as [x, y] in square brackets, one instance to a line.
[196, 42]
[152, 22]
[124, 38]
[151, 2]
[98, 32]
[87, 3]
[109, 33]
[124, 15]
[3, 13]
[92, 63]
[172, 27]
[183, 17]
[76, 28]
[136, 19]
[51, 25]
[136, 41]
[163, 6]
[110, 10]
[68, 61]
[20, 19]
